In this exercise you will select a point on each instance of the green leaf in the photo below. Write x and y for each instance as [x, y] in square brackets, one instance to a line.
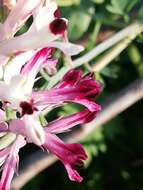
[65, 3]
[111, 72]
[68, 109]
[98, 1]
[121, 7]
[117, 7]
[131, 4]
[112, 129]
[93, 144]
[141, 13]
[78, 24]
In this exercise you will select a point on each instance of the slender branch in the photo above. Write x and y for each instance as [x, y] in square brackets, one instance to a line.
[112, 54]
[112, 107]
[133, 30]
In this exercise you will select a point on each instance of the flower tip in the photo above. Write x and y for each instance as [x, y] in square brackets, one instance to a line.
[57, 13]
[96, 108]
[78, 49]
[73, 174]
[58, 26]
[76, 178]
[73, 49]
[90, 116]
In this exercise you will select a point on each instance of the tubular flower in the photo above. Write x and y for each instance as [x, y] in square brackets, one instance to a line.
[17, 18]
[22, 105]
[72, 155]
[80, 90]
[43, 32]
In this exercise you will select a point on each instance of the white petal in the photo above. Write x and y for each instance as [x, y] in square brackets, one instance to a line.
[45, 16]
[1, 72]
[3, 59]
[38, 36]
[14, 91]
[35, 132]
[67, 47]
[14, 66]
[17, 17]
[2, 116]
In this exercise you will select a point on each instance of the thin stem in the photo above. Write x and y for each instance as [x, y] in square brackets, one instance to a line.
[58, 76]
[135, 28]
[132, 30]
[112, 54]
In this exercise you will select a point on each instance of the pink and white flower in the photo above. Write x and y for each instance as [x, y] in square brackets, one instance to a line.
[81, 90]
[71, 155]
[43, 32]
[17, 18]
[21, 59]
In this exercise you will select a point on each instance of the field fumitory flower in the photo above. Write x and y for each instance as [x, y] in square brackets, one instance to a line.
[21, 59]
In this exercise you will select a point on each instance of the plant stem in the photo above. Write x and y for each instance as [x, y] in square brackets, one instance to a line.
[133, 30]
[112, 54]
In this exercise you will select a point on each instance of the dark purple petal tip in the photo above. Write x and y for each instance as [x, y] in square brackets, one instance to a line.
[58, 26]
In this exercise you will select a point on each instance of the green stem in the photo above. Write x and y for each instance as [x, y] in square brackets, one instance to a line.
[132, 30]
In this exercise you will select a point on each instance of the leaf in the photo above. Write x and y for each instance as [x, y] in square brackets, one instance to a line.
[65, 3]
[141, 13]
[131, 4]
[78, 24]
[117, 7]
[112, 129]
[93, 144]
[111, 72]
[68, 109]
[98, 1]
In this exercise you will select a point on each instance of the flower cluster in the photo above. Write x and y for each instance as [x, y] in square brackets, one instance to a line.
[21, 59]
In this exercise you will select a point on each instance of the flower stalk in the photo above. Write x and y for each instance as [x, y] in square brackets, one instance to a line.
[130, 32]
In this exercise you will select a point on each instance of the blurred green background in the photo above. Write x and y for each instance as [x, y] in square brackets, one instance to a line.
[115, 150]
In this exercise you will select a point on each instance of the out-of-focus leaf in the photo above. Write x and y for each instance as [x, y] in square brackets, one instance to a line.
[67, 2]
[98, 1]
[136, 59]
[25, 27]
[121, 7]
[131, 4]
[117, 6]
[78, 24]
[112, 129]
[141, 13]
[93, 144]
[68, 109]
[111, 72]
